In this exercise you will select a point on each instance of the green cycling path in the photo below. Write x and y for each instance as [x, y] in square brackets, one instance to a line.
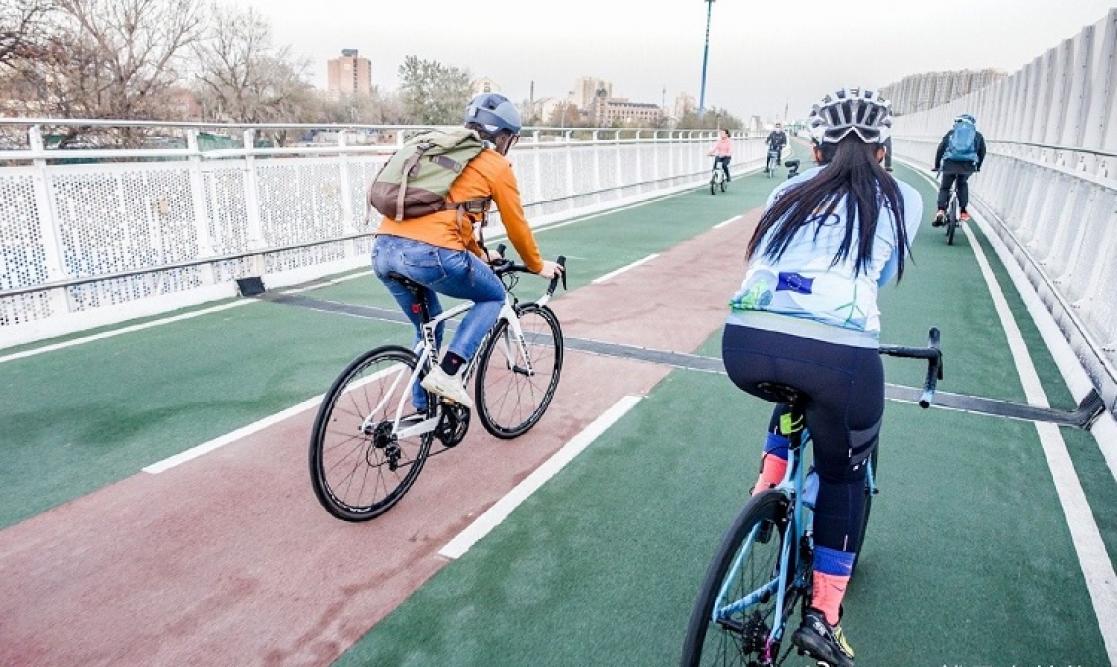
[968, 560]
[82, 417]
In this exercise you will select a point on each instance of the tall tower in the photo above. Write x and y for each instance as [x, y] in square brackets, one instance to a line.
[705, 58]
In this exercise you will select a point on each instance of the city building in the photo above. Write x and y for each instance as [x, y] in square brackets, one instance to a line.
[684, 104]
[614, 111]
[586, 90]
[919, 92]
[349, 74]
[484, 85]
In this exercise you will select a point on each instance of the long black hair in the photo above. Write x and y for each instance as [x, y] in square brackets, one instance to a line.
[852, 173]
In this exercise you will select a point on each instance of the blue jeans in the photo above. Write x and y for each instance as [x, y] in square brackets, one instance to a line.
[455, 273]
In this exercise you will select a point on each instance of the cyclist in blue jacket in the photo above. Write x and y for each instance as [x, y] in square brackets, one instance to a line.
[960, 153]
[806, 317]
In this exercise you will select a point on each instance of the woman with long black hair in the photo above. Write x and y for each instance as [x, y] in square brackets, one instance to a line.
[806, 317]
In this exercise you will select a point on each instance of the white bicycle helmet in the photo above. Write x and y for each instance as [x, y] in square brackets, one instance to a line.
[863, 112]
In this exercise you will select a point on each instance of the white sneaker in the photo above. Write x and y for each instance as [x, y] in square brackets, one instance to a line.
[447, 386]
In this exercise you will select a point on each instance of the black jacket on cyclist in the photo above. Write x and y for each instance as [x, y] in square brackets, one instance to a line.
[956, 166]
[777, 139]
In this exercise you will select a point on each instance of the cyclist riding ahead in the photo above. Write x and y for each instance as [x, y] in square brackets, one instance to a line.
[806, 317]
[722, 153]
[960, 154]
[776, 140]
[439, 252]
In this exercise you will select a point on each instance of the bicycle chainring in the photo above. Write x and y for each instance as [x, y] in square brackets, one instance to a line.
[454, 424]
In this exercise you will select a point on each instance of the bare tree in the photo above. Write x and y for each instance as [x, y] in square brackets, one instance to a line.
[243, 77]
[108, 59]
[22, 24]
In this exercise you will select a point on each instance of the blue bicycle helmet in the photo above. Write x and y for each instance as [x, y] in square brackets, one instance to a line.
[966, 118]
[494, 113]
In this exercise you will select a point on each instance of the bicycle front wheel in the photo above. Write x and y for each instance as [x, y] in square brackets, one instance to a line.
[359, 468]
[733, 628]
[511, 398]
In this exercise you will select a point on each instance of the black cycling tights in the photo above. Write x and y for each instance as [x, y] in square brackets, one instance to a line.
[844, 387]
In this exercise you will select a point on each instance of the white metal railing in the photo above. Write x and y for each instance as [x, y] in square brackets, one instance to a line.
[136, 231]
[1049, 182]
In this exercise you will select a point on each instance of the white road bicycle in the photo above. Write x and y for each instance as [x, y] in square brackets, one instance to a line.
[368, 444]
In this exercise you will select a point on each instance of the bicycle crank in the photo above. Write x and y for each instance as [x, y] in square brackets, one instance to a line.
[453, 425]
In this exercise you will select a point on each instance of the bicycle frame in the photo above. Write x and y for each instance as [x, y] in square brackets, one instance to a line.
[792, 487]
[427, 350]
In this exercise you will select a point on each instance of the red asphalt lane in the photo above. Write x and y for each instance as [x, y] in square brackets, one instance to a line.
[228, 559]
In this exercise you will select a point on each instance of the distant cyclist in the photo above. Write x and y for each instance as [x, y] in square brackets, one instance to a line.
[723, 153]
[439, 251]
[960, 154]
[806, 316]
[776, 140]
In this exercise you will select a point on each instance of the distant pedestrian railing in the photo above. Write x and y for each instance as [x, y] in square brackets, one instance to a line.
[1049, 182]
[95, 235]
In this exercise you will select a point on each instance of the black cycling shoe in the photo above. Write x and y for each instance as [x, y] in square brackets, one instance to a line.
[823, 642]
[939, 220]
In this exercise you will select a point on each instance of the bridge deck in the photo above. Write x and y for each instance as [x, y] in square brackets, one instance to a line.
[973, 557]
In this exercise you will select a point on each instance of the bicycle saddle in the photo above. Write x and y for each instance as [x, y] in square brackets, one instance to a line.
[405, 281]
[780, 393]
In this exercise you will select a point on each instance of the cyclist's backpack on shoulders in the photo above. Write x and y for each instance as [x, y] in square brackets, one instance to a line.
[962, 146]
[416, 180]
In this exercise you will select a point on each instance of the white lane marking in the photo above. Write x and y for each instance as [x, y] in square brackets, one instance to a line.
[254, 427]
[492, 517]
[328, 283]
[547, 228]
[166, 320]
[614, 274]
[1104, 429]
[1097, 568]
[723, 223]
[116, 332]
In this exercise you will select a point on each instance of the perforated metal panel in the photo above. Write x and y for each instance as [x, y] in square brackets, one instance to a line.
[22, 256]
[299, 200]
[226, 207]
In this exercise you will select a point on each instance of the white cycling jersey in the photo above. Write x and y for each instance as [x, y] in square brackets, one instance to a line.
[803, 284]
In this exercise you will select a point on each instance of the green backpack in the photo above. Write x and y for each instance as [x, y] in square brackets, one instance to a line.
[416, 180]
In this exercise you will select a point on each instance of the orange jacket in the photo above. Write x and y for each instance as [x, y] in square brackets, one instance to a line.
[487, 175]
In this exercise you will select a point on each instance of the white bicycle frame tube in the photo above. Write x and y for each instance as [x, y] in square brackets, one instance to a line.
[428, 344]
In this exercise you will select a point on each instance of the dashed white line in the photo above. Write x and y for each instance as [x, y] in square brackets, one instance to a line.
[492, 517]
[614, 274]
[254, 427]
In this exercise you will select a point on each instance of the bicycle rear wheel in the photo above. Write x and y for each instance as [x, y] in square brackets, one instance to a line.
[951, 221]
[745, 562]
[509, 400]
[358, 467]
[713, 185]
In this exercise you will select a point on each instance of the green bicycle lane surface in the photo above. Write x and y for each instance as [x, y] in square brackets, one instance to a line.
[963, 563]
[602, 565]
[82, 417]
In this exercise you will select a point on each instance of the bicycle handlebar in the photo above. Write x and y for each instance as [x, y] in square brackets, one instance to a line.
[503, 266]
[932, 353]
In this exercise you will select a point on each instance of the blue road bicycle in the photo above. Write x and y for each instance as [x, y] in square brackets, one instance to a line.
[764, 565]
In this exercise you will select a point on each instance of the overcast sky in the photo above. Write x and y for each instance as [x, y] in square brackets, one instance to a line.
[762, 54]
